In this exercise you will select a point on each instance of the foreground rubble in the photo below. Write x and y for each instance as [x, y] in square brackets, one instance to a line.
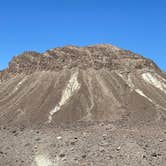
[97, 144]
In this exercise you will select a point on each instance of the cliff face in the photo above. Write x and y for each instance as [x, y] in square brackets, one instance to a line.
[67, 84]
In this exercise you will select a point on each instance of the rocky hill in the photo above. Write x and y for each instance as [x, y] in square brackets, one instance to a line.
[67, 84]
[82, 106]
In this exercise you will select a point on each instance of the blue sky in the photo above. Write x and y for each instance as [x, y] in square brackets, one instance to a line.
[137, 25]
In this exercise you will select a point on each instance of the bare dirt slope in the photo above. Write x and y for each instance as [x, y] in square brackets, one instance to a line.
[80, 85]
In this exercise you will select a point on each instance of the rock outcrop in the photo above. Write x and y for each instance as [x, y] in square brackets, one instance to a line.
[96, 57]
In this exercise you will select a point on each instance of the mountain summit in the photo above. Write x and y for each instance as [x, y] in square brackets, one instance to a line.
[93, 83]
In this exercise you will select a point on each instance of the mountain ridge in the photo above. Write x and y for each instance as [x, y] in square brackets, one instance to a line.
[94, 56]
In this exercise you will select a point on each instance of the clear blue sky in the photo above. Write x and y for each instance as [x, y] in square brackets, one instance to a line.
[137, 25]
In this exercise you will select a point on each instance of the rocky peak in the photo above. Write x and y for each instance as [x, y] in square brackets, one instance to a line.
[94, 56]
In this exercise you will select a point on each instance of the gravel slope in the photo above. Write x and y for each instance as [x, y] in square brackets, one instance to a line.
[82, 144]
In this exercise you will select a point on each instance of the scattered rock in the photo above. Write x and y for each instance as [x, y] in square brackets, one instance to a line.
[73, 141]
[1, 152]
[62, 155]
[118, 148]
[59, 137]
[37, 132]
[14, 131]
[154, 154]
[161, 140]
[104, 136]
[83, 156]
[143, 156]
[101, 149]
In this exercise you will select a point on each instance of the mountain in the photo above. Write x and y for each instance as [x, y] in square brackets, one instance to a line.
[93, 83]
[82, 106]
